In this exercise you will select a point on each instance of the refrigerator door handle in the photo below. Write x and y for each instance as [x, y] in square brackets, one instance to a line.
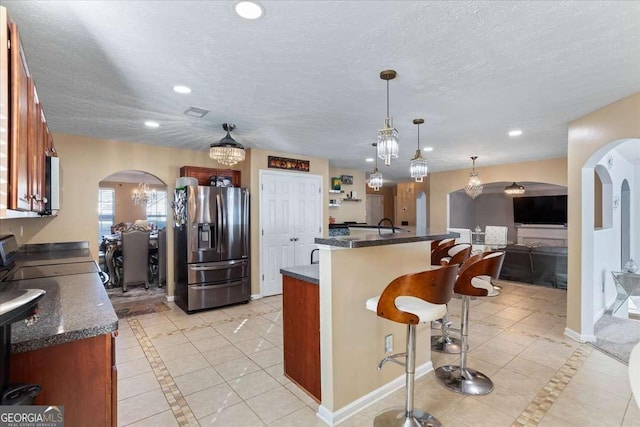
[245, 221]
[226, 285]
[219, 222]
[218, 267]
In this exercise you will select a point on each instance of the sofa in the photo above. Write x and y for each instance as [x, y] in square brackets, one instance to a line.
[541, 265]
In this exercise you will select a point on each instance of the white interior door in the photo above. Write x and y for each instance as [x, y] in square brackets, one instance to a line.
[290, 220]
[375, 208]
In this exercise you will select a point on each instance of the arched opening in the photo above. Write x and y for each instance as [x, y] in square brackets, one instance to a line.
[128, 201]
[625, 223]
[421, 213]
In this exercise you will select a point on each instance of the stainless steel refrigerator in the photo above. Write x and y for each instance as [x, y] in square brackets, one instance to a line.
[211, 243]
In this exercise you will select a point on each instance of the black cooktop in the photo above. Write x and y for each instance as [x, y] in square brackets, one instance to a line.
[52, 270]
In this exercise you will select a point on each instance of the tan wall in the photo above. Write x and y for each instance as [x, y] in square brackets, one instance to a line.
[389, 206]
[587, 135]
[406, 194]
[84, 162]
[349, 210]
[256, 161]
[552, 171]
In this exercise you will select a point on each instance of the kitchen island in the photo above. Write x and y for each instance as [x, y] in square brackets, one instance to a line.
[70, 350]
[353, 269]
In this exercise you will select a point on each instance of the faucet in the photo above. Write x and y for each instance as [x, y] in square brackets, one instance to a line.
[393, 227]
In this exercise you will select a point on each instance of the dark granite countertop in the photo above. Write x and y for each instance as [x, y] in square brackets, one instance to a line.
[306, 273]
[75, 306]
[375, 239]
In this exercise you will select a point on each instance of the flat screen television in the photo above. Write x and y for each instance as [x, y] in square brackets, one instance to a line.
[540, 210]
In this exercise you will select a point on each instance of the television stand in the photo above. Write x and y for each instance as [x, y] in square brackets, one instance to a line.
[542, 234]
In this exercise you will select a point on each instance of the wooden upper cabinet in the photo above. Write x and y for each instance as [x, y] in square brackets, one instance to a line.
[19, 196]
[203, 175]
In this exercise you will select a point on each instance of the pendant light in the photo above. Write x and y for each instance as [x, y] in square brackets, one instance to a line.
[227, 151]
[375, 179]
[388, 136]
[514, 189]
[418, 166]
[474, 187]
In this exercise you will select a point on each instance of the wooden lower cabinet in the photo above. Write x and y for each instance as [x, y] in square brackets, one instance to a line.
[301, 333]
[79, 375]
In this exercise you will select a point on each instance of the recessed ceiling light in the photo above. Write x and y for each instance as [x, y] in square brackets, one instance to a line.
[249, 9]
[151, 124]
[181, 89]
[369, 159]
[428, 149]
[515, 132]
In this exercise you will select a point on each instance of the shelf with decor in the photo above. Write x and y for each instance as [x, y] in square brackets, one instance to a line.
[349, 199]
[336, 191]
[334, 205]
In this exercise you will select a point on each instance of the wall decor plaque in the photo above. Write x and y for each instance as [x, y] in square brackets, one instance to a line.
[285, 163]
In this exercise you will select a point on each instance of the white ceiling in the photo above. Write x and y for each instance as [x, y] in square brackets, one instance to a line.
[304, 79]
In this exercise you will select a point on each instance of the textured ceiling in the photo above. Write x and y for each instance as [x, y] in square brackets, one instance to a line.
[304, 79]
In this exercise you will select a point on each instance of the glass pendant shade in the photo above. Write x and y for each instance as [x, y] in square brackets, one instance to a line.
[418, 166]
[474, 187]
[514, 189]
[387, 147]
[375, 180]
[143, 195]
[227, 151]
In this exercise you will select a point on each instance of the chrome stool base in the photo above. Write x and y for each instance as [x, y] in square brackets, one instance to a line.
[443, 344]
[397, 418]
[465, 381]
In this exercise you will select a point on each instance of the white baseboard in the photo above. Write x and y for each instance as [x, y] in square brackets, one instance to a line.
[579, 337]
[256, 296]
[170, 298]
[346, 412]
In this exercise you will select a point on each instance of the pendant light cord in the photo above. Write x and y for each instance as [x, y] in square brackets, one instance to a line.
[418, 137]
[387, 98]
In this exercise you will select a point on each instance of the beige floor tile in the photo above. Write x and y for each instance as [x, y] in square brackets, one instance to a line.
[125, 341]
[629, 423]
[267, 358]
[487, 368]
[513, 313]
[189, 322]
[254, 345]
[176, 351]
[197, 380]
[274, 317]
[238, 311]
[260, 307]
[236, 334]
[584, 414]
[253, 384]
[501, 322]
[488, 354]
[530, 369]
[141, 406]
[277, 372]
[138, 384]
[222, 354]
[163, 419]
[471, 412]
[186, 364]
[214, 316]
[633, 412]
[274, 405]
[236, 368]
[210, 343]
[265, 328]
[154, 331]
[133, 368]
[302, 395]
[239, 415]
[551, 421]
[520, 338]
[484, 329]
[201, 333]
[152, 319]
[130, 353]
[169, 340]
[212, 400]
[543, 356]
[606, 383]
[303, 417]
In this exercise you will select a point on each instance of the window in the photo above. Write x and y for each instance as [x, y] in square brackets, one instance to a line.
[105, 211]
[157, 210]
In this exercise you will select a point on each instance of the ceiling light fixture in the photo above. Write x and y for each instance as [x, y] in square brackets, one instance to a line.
[375, 179]
[418, 168]
[151, 124]
[515, 132]
[388, 136]
[143, 195]
[369, 159]
[427, 149]
[227, 151]
[474, 187]
[249, 10]
[514, 189]
[181, 89]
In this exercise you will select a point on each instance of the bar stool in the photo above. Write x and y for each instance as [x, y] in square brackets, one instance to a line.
[445, 343]
[460, 378]
[409, 299]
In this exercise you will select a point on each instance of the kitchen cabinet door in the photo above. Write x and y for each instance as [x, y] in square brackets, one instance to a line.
[19, 197]
[35, 150]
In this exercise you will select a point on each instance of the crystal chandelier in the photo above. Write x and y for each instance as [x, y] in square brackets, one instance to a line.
[227, 151]
[474, 187]
[375, 179]
[514, 189]
[418, 166]
[143, 195]
[388, 136]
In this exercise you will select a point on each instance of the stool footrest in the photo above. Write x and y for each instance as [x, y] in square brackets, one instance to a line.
[392, 358]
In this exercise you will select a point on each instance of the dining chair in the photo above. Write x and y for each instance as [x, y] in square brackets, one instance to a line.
[135, 258]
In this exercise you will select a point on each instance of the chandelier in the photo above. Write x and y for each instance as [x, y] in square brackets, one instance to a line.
[474, 187]
[227, 151]
[143, 195]
[418, 166]
[514, 189]
[375, 179]
[388, 136]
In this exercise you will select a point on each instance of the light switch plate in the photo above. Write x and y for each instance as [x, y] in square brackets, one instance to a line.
[388, 343]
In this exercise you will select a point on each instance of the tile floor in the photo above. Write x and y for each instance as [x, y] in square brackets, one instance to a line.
[224, 368]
